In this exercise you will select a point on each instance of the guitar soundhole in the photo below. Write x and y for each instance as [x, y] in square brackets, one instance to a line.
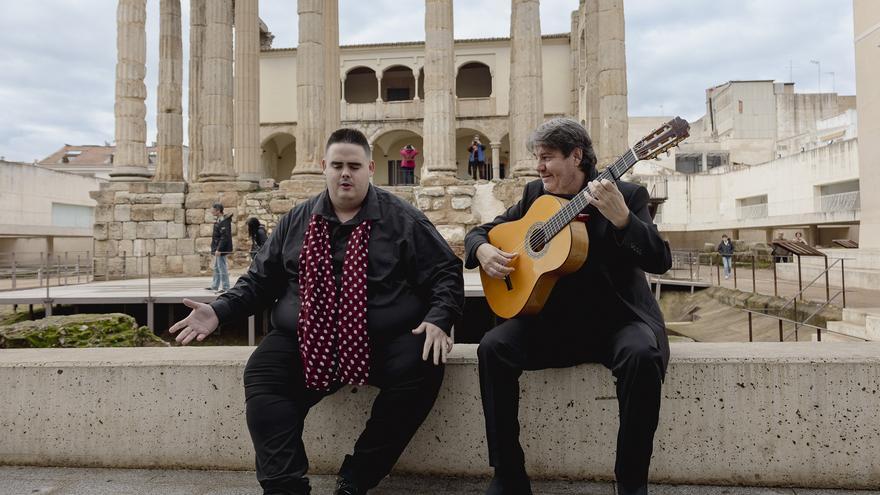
[536, 241]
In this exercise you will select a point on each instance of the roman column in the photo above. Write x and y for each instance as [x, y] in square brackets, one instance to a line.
[526, 85]
[169, 111]
[246, 129]
[439, 115]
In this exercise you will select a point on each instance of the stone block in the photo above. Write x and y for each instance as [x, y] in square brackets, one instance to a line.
[461, 190]
[438, 203]
[223, 187]
[203, 245]
[174, 264]
[431, 191]
[176, 230]
[251, 202]
[166, 187]
[141, 213]
[186, 246]
[173, 199]
[105, 248]
[195, 216]
[280, 206]
[122, 213]
[146, 199]
[450, 217]
[192, 264]
[180, 215]
[164, 212]
[461, 202]
[165, 247]
[103, 197]
[142, 247]
[122, 198]
[302, 186]
[137, 187]
[125, 248]
[423, 202]
[192, 231]
[100, 231]
[157, 265]
[129, 230]
[115, 230]
[201, 200]
[452, 233]
[104, 213]
[152, 230]
[206, 230]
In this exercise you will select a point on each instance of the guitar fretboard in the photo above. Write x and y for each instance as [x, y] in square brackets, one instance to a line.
[568, 212]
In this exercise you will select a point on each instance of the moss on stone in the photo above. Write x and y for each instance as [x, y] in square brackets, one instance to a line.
[82, 330]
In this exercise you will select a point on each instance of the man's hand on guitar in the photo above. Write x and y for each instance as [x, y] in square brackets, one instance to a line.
[609, 202]
[494, 261]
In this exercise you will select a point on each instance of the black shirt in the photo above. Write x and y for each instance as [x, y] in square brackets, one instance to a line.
[412, 274]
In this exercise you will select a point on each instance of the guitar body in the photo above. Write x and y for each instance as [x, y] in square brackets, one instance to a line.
[535, 273]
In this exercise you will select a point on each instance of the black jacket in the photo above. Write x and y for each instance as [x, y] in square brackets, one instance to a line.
[612, 280]
[258, 239]
[221, 239]
[725, 250]
[412, 274]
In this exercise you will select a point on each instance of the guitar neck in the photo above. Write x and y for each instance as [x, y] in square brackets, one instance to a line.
[568, 213]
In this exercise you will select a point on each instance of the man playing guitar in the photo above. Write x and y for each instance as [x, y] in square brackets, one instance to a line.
[602, 313]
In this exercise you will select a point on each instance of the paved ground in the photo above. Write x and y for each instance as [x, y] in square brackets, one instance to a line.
[64, 481]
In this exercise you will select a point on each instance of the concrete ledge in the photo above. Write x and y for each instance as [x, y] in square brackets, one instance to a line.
[796, 414]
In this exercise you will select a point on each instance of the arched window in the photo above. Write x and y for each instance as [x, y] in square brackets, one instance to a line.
[474, 80]
[361, 85]
[398, 84]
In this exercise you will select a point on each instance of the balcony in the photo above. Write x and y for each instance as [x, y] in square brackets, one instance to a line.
[751, 212]
[848, 201]
[475, 107]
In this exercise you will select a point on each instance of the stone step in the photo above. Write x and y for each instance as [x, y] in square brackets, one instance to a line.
[845, 329]
[857, 315]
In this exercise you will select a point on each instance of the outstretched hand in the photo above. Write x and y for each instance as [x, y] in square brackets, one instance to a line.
[436, 340]
[201, 322]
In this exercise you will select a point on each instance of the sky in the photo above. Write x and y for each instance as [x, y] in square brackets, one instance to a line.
[58, 57]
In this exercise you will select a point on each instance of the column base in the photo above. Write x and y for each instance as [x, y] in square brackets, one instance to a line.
[304, 185]
[215, 177]
[130, 174]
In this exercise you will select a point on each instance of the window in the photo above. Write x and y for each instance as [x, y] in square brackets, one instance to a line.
[65, 215]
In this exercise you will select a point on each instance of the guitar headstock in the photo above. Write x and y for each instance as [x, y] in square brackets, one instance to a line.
[662, 139]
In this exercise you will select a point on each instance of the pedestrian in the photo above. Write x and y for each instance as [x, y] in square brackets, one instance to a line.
[221, 247]
[258, 236]
[408, 164]
[725, 249]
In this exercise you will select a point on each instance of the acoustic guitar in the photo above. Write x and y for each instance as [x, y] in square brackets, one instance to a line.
[548, 244]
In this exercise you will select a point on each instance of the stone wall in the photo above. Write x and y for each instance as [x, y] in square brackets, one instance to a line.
[172, 221]
[793, 414]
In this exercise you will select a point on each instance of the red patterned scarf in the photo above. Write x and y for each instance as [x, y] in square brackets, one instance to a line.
[332, 328]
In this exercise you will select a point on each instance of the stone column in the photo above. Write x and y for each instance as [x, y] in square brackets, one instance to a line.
[169, 111]
[612, 82]
[866, 18]
[217, 93]
[526, 86]
[439, 115]
[378, 87]
[415, 72]
[496, 160]
[592, 73]
[310, 91]
[130, 160]
[246, 132]
[196, 49]
[331, 66]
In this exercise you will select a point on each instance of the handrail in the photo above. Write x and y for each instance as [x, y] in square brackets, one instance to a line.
[783, 319]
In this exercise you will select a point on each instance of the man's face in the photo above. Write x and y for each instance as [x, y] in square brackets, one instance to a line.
[216, 212]
[347, 170]
[559, 174]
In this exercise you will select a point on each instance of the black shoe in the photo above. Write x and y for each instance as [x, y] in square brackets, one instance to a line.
[210, 289]
[619, 489]
[516, 483]
[345, 487]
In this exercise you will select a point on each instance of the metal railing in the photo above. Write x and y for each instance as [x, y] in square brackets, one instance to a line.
[751, 211]
[26, 270]
[848, 201]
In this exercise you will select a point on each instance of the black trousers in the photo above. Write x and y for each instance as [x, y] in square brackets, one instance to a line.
[628, 348]
[278, 402]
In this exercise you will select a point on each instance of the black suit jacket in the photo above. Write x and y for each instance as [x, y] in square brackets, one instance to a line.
[613, 276]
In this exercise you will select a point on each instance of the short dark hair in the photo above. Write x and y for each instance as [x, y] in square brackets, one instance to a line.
[565, 135]
[218, 206]
[723, 236]
[351, 136]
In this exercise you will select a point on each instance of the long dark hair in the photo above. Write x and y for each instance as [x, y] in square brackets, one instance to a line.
[253, 226]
